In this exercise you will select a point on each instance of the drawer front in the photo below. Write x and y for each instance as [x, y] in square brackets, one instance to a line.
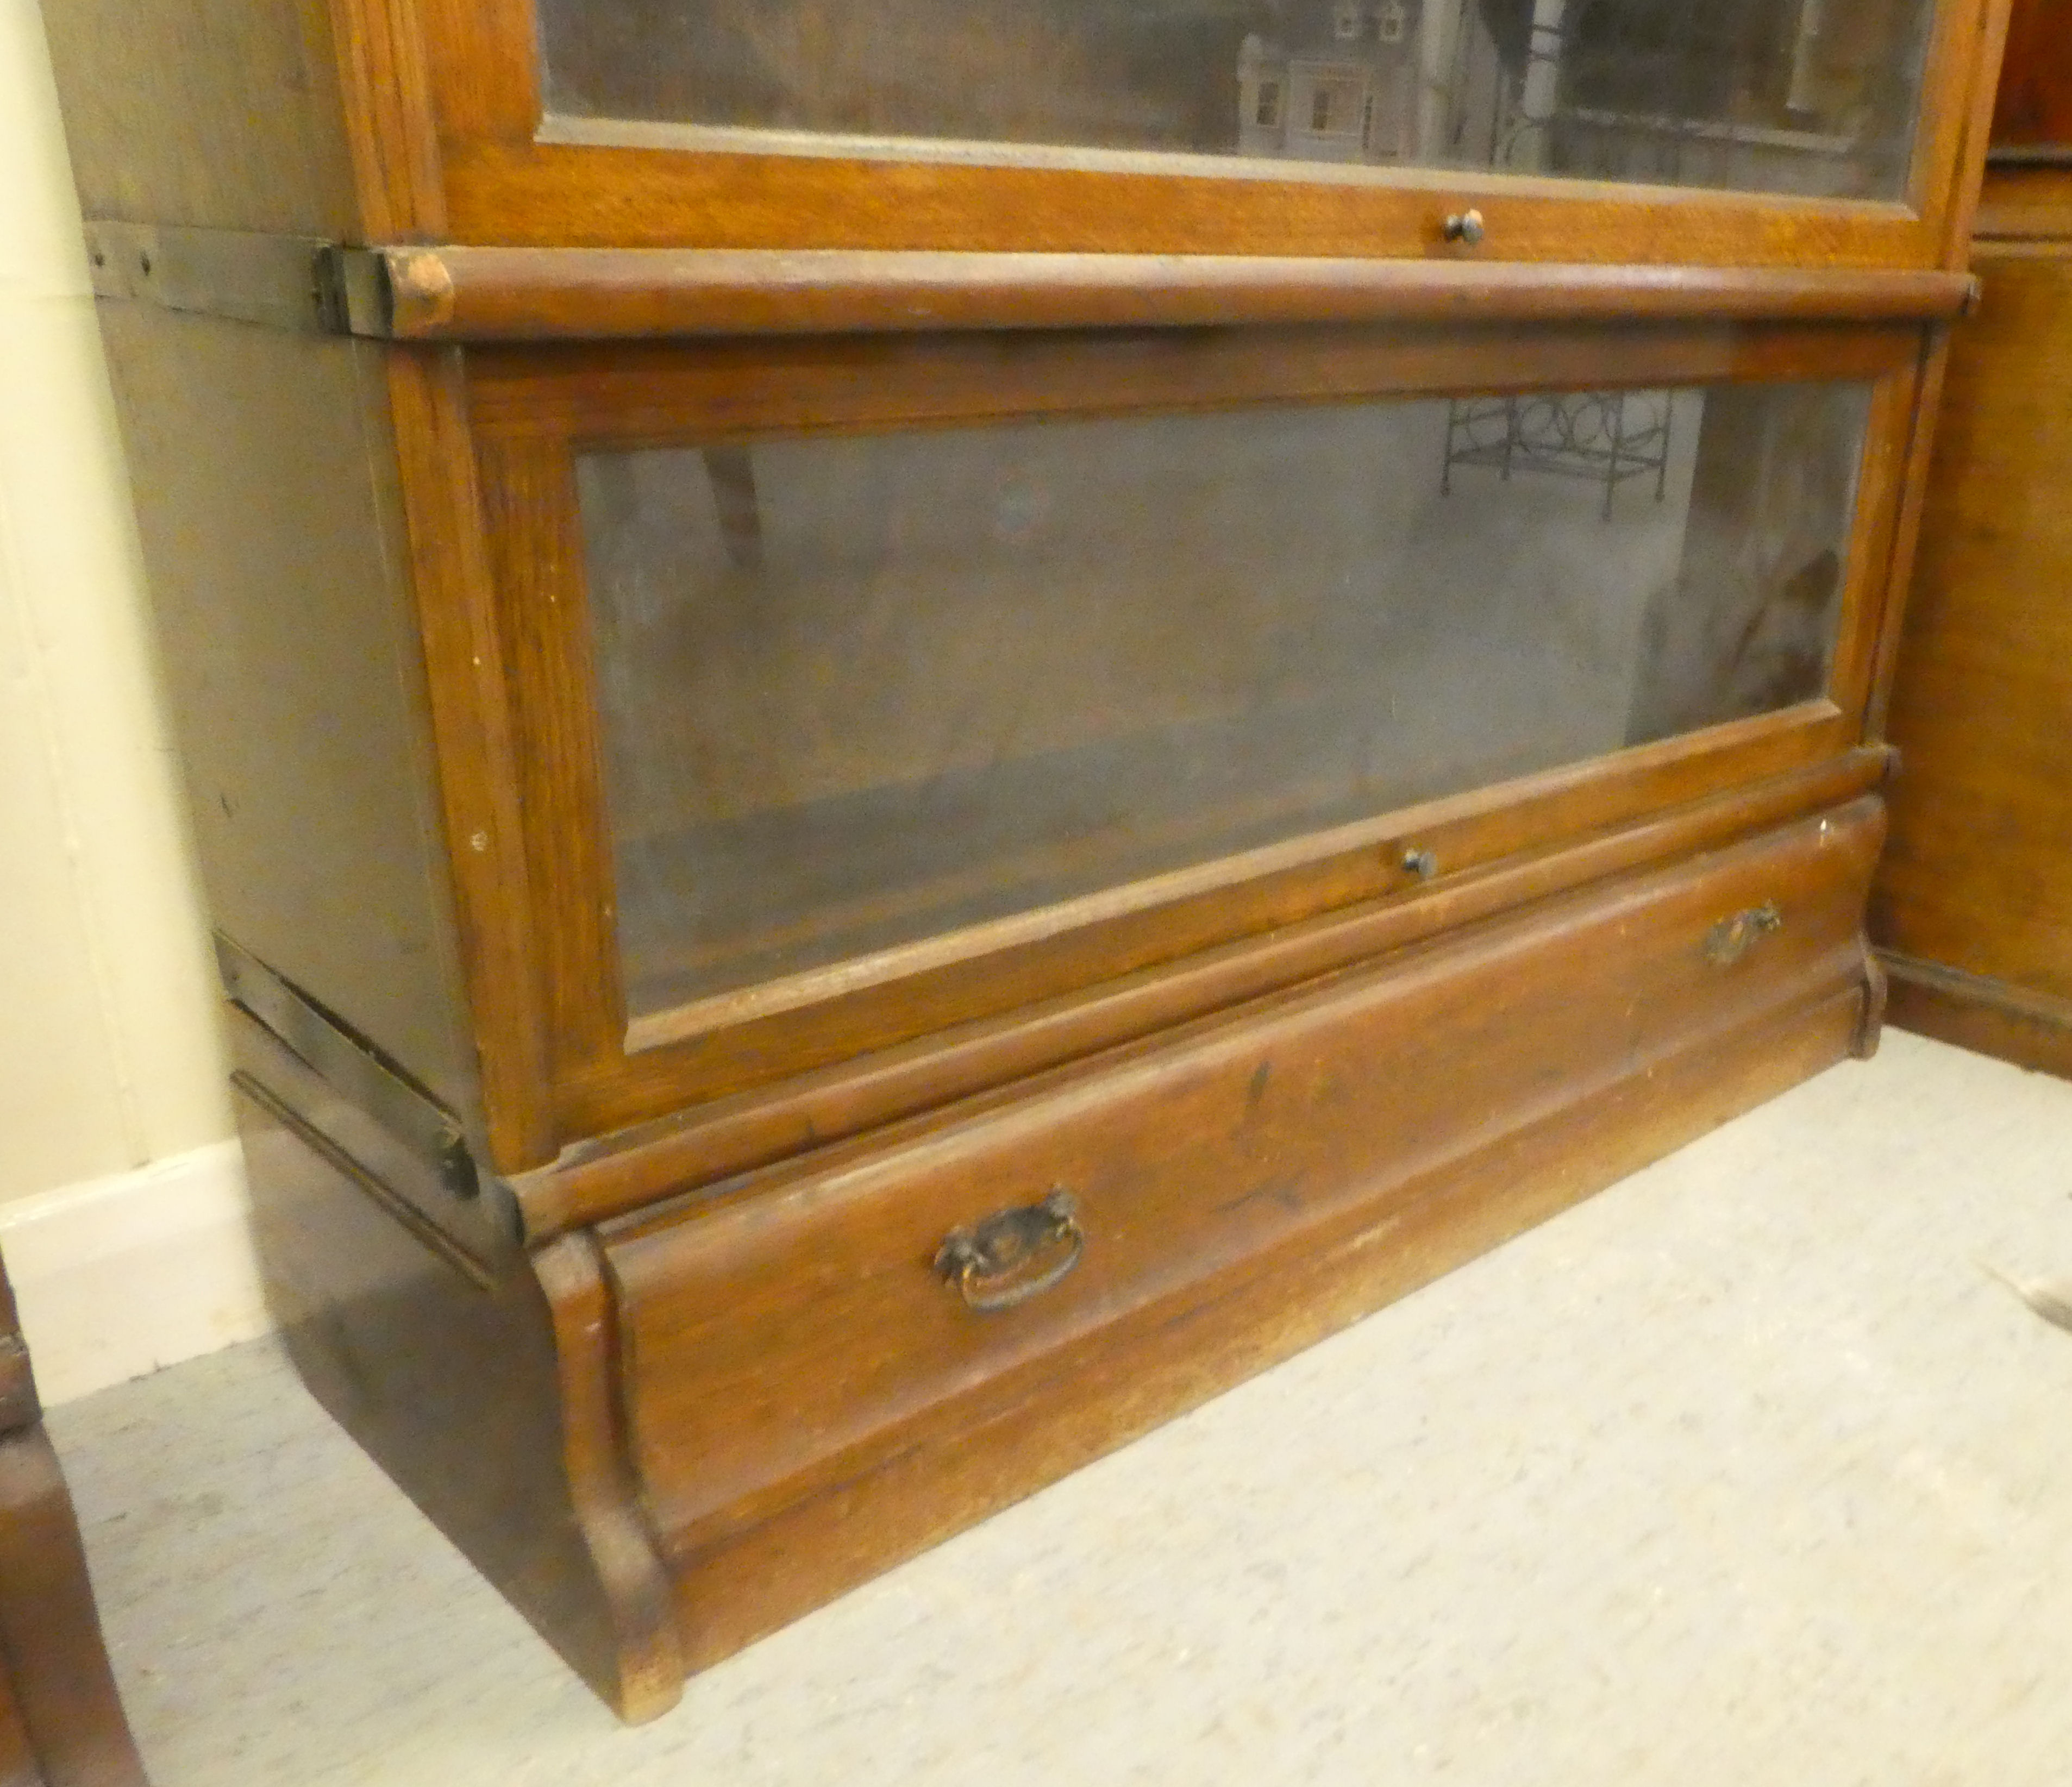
[779, 1337]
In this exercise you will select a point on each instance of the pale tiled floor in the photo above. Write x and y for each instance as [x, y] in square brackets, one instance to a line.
[1743, 1472]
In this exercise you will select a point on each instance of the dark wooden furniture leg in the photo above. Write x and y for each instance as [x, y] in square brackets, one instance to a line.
[61, 1722]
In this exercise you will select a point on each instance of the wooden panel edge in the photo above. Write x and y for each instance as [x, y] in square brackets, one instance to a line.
[477, 759]
[488, 1402]
[1981, 1014]
[1961, 146]
[601, 1479]
[598, 1180]
[1897, 583]
[386, 88]
[460, 293]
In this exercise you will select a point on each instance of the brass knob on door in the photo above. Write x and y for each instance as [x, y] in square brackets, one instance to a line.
[1465, 227]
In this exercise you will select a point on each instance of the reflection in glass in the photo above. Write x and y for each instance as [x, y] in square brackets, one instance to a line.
[860, 690]
[1813, 96]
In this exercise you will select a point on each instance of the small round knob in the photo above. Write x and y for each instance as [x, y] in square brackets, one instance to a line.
[1466, 226]
[1420, 863]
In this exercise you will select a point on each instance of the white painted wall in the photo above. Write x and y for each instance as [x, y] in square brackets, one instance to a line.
[121, 1206]
[108, 1057]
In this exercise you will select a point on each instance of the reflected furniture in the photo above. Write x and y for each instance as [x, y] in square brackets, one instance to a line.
[892, 777]
[1973, 908]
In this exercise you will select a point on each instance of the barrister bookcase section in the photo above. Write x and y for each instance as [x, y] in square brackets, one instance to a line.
[917, 729]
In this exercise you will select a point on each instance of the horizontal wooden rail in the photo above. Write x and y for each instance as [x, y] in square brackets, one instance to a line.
[460, 293]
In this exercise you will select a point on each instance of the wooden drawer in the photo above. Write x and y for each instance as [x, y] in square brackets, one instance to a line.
[792, 1332]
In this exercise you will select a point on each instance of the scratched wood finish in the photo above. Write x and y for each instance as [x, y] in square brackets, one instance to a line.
[786, 1330]
[1077, 1406]
[1979, 878]
[661, 1496]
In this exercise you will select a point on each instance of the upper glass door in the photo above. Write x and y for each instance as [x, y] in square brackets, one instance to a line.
[1819, 133]
[1816, 97]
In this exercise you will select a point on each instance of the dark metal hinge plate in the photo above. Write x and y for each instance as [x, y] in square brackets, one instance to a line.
[297, 283]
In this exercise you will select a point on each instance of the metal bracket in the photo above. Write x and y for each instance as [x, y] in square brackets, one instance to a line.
[299, 282]
[352, 1067]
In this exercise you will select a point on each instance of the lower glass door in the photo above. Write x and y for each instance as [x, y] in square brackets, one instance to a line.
[858, 690]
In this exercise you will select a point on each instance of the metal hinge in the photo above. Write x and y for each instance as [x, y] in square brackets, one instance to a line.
[299, 282]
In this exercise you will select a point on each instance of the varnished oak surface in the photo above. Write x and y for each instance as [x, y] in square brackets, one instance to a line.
[1483, 1537]
[1976, 879]
[594, 1181]
[788, 1330]
[1079, 1407]
[498, 293]
[2034, 111]
[652, 1491]
[438, 1374]
[699, 1436]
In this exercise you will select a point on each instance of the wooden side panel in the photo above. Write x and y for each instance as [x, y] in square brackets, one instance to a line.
[487, 1398]
[2035, 108]
[203, 113]
[788, 1341]
[1977, 879]
[264, 478]
[1989, 1017]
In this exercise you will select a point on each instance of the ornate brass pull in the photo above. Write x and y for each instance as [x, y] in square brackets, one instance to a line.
[1732, 938]
[999, 1263]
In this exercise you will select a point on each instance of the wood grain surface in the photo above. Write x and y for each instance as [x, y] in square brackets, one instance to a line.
[1975, 880]
[2035, 105]
[487, 1402]
[499, 293]
[789, 1332]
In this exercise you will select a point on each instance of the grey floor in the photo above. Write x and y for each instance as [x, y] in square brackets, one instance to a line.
[1747, 1471]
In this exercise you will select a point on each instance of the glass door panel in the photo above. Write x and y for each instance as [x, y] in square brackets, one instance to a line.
[861, 690]
[1807, 96]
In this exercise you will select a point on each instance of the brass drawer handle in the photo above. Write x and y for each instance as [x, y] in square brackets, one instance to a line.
[1732, 938]
[989, 1262]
